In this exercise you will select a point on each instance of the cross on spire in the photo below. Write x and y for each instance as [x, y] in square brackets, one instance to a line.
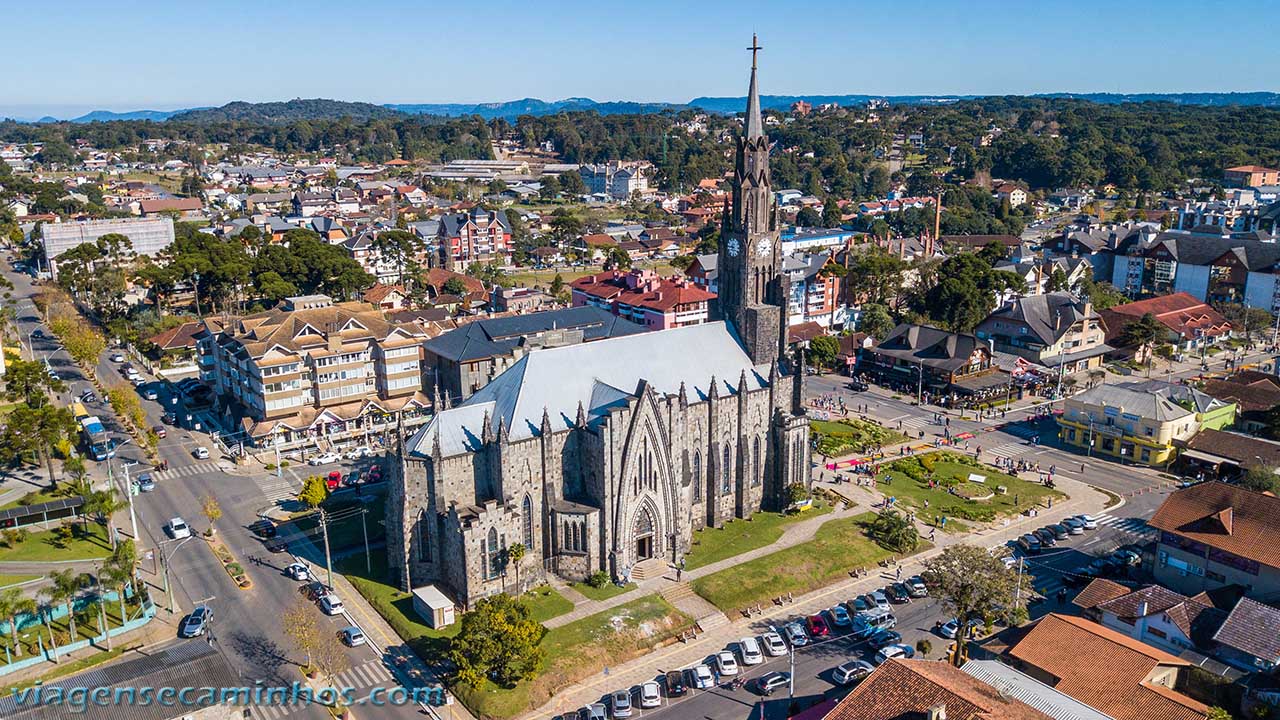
[755, 48]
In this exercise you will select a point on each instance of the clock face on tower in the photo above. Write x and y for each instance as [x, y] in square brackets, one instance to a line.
[733, 247]
[763, 247]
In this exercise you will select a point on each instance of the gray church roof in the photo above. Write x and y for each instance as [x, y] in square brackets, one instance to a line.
[488, 338]
[597, 375]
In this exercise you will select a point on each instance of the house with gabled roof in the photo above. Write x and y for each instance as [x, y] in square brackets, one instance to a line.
[1155, 615]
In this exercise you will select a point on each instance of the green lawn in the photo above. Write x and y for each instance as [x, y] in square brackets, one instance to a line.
[529, 277]
[909, 483]
[841, 437]
[712, 545]
[574, 651]
[34, 498]
[579, 650]
[604, 593]
[838, 546]
[545, 603]
[347, 533]
[7, 580]
[50, 545]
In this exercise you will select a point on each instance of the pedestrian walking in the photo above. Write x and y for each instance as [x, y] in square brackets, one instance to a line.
[898, 575]
[679, 573]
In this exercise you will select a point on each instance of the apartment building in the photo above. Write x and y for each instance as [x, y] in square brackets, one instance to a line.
[1250, 176]
[1051, 330]
[477, 236]
[643, 297]
[817, 292]
[315, 371]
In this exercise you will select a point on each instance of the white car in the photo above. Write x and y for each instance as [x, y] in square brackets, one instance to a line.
[331, 605]
[1090, 522]
[324, 459]
[298, 571]
[949, 629]
[703, 677]
[650, 696]
[750, 650]
[117, 357]
[201, 452]
[773, 644]
[905, 652]
[363, 451]
[726, 664]
[178, 528]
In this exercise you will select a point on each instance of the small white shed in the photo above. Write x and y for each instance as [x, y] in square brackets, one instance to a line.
[433, 606]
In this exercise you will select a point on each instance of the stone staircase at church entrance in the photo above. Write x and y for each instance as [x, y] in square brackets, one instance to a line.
[649, 569]
[684, 599]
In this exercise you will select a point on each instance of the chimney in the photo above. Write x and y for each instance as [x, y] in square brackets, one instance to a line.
[937, 712]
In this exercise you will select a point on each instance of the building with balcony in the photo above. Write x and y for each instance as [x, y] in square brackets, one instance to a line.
[1128, 425]
[1052, 330]
[816, 286]
[477, 236]
[314, 371]
[644, 298]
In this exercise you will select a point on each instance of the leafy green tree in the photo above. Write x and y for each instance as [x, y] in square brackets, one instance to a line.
[1260, 478]
[617, 258]
[1102, 295]
[976, 586]
[1143, 334]
[314, 491]
[875, 320]
[565, 226]
[14, 603]
[516, 553]
[571, 183]
[64, 587]
[455, 286]
[893, 531]
[550, 189]
[1057, 281]
[878, 181]
[37, 431]
[557, 285]
[823, 350]
[831, 215]
[808, 218]
[498, 640]
[29, 381]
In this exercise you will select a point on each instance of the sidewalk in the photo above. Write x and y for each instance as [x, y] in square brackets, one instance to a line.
[679, 655]
[794, 534]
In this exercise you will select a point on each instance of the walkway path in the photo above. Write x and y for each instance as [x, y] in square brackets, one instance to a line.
[1083, 499]
[794, 534]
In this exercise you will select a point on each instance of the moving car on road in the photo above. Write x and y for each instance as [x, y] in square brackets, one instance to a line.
[352, 636]
[197, 623]
[177, 528]
[201, 453]
[146, 483]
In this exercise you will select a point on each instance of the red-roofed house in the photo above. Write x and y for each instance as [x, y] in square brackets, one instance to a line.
[186, 207]
[643, 297]
[1191, 322]
[175, 345]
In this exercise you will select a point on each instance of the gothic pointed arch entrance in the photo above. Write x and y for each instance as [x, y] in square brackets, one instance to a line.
[644, 534]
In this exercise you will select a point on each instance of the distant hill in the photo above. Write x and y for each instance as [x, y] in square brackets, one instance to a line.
[730, 105]
[1265, 99]
[286, 112]
[108, 116]
[533, 106]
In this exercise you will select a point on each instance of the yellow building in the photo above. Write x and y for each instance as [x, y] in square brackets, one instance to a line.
[1125, 424]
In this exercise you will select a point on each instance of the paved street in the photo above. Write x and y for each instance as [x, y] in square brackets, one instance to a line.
[247, 624]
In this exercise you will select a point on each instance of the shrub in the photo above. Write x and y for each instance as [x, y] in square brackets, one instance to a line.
[598, 579]
[924, 647]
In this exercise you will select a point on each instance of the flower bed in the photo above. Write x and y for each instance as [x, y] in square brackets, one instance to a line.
[234, 569]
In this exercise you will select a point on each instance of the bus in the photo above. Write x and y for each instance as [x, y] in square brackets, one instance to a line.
[93, 434]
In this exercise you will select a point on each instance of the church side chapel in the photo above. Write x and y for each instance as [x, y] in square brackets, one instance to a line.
[608, 455]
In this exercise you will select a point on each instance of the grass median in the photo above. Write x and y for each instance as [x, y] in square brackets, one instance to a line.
[838, 546]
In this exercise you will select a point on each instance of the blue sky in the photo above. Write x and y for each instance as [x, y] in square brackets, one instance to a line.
[66, 57]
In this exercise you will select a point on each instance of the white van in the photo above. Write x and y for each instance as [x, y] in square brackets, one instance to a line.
[749, 648]
[878, 619]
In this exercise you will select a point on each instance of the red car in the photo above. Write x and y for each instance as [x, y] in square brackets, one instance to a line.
[334, 480]
[817, 626]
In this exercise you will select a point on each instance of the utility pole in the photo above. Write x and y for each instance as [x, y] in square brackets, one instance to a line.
[920, 385]
[364, 529]
[328, 561]
[128, 494]
[1017, 591]
[791, 676]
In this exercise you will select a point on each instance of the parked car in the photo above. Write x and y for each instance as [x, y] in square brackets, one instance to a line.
[674, 680]
[949, 629]
[177, 528]
[749, 648]
[594, 711]
[1029, 544]
[650, 695]
[884, 638]
[150, 394]
[895, 651]
[852, 672]
[726, 664]
[146, 483]
[331, 605]
[899, 592]
[263, 528]
[816, 626]
[1126, 557]
[796, 634]
[1090, 522]
[859, 604]
[160, 431]
[881, 600]
[298, 571]
[324, 459]
[861, 629]
[703, 677]
[620, 703]
[773, 644]
[917, 587]
[201, 452]
[1060, 531]
[352, 479]
[1045, 536]
[314, 590]
[333, 480]
[839, 616]
[1074, 525]
[1103, 566]
[117, 357]
[197, 623]
[352, 636]
[769, 682]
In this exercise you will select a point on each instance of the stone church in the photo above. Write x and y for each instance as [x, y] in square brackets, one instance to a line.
[608, 455]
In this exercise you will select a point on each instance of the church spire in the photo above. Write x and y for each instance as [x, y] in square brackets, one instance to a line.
[755, 127]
